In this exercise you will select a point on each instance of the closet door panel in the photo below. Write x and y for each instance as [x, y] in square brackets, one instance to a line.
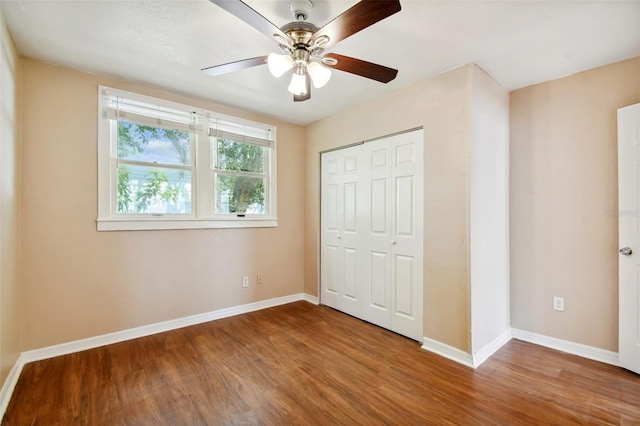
[404, 288]
[371, 232]
[350, 277]
[331, 271]
[351, 296]
[404, 203]
[331, 223]
[379, 200]
[377, 306]
[407, 238]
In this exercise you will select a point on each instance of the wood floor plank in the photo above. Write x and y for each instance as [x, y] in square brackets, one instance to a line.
[304, 364]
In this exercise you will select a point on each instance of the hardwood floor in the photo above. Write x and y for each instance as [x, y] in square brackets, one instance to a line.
[304, 364]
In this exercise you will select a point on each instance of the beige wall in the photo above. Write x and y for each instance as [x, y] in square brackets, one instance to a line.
[9, 205]
[79, 282]
[440, 105]
[563, 184]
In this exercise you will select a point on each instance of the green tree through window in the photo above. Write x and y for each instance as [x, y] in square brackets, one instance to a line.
[141, 187]
[241, 193]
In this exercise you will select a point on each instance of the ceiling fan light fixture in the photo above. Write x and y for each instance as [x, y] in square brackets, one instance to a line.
[298, 85]
[303, 44]
[320, 75]
[279, 64]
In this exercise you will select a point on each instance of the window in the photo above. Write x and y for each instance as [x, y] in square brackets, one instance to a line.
[155, 169]
[163, 165]
[240, 164]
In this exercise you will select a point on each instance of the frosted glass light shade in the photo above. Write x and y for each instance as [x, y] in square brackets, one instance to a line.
[298, 85]
[320, 75]
[279, 64]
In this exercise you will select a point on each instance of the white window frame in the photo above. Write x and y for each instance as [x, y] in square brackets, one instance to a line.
[202, 214]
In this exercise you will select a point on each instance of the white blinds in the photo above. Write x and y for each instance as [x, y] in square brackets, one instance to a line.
[120, 107]
[125, 106]
[241, 132]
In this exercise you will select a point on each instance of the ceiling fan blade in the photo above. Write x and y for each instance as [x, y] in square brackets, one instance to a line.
[360, 16]
[244, 12]
[362, 68]
[305, 97]
[235, 66]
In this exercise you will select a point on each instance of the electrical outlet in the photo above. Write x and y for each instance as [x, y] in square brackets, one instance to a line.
[245, 281]
[558, 303]
[259, 279]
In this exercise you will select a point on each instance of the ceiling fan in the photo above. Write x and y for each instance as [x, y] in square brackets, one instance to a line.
[303, 44]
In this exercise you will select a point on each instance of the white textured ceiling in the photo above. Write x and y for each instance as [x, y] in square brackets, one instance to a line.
[165, 43]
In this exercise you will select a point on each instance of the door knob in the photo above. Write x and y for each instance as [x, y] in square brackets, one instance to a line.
[626, 251]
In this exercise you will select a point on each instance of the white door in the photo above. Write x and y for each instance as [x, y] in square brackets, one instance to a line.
[393, 263]
[341, 286]
[629, 237]
[407, 240]
[371, 232]
[376, 262]
[331, 228]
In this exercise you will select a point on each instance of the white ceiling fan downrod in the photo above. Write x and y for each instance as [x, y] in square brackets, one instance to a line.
[300, 9]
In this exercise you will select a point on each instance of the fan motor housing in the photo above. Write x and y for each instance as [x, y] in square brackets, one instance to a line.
[300, 31]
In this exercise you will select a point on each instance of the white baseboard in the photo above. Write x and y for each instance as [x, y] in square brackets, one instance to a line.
[483, 354]
[579, 349]
[133, 333]
[311, 299]
[455, 354]
[447, 351]
[475, 360]
[10, 384]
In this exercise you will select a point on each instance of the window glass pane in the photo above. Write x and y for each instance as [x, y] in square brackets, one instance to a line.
[143, 189]
[239, 194]
[138, 142]
[239, 157]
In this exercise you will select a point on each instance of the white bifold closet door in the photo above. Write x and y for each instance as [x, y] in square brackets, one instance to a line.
[372, 233]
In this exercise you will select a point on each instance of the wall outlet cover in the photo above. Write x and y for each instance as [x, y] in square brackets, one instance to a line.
[558, 303]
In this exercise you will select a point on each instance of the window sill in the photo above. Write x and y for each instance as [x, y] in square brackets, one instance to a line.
[166, 224]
